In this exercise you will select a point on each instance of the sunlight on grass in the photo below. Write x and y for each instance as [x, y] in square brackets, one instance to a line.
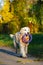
[1, 44]
[2, 63]
[6, 41]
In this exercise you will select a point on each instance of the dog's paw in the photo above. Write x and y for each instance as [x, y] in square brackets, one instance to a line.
[24, 56]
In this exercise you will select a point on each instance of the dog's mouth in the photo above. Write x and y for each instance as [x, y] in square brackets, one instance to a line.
[25, 38]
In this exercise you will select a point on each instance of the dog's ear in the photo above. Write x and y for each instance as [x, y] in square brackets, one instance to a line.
[20, 35]
[21, 30]
[11, 35]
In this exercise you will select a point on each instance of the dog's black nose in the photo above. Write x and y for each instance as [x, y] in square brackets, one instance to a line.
[26, 34]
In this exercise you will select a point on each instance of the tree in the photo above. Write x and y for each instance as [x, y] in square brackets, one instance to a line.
[6, 14]
[20, 13]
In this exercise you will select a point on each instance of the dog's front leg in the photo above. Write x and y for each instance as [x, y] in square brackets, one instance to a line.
[26, 49]
[22, 50]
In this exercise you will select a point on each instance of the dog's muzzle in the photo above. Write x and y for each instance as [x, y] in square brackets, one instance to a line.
[26, 38]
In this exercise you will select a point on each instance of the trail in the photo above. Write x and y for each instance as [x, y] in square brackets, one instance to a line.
[9, 57]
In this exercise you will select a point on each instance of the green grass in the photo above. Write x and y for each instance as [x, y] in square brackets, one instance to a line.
[35, 48]
[5, 40]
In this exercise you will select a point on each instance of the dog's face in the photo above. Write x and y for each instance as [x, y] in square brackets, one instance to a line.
[25, 30]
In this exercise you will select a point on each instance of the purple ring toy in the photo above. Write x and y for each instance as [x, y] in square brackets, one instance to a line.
[30, 38]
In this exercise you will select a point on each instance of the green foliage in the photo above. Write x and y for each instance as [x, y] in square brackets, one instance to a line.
[36, 46]
[23, 12]
[36, 10]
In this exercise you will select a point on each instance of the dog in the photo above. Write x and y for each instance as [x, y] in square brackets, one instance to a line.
[20, 39]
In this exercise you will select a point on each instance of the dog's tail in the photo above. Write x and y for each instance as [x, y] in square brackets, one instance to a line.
[14, 39]
[11, 35]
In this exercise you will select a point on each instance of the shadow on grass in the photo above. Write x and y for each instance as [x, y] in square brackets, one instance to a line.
[10, 52]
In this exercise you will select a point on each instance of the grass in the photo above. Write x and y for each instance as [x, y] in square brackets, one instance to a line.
[35, 48]
[5, 40]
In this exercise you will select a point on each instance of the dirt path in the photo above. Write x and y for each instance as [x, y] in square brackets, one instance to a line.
[9, 57]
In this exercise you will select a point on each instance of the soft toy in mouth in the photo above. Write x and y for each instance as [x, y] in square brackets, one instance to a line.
[26, 38]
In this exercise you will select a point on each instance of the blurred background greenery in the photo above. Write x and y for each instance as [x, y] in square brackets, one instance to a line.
[15, 14]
